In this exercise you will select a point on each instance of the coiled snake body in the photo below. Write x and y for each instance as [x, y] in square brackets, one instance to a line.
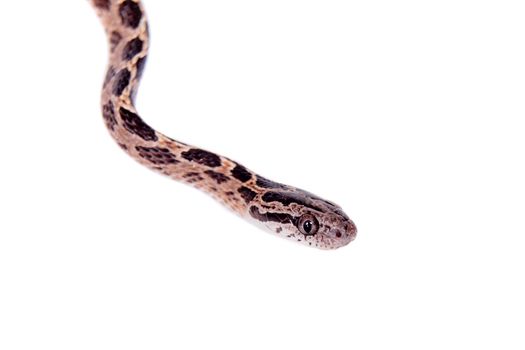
[283, 210]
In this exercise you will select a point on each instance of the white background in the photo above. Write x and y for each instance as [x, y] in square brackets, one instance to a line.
[407, 113]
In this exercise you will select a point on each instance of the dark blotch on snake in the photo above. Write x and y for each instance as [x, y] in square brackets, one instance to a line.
[265, 183]
[241, 174]
[114, 40]
[287, 198]
[121, 82]
[135, 125]
[193, 177]
[218, 177]
[141, 62]
[246, 194]
[202, 157]
[157, 155]
[191, 174]
[108, 112]
[132, 48]
[269, 216]
[102, 4]
[130, 13]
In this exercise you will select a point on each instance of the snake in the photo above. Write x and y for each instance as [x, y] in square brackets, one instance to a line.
[283, 210]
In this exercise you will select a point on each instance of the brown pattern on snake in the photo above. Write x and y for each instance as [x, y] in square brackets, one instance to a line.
[130, 13]
[121, 82]
[108, 112]
[135, 125]
[132, 49]
[102, 4]
[265, 183]
[218, 177]
[114, 40]
[288, 198]
[202, 157]
[193, 177]
[140, 66]
[247, 194]
[241, 173]
[275, 217]
[157, 155]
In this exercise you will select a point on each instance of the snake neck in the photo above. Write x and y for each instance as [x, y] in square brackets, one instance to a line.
[127, 30]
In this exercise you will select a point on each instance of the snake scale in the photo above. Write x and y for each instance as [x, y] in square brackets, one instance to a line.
[284, 210]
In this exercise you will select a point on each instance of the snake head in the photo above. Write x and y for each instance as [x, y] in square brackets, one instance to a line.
[304, 217]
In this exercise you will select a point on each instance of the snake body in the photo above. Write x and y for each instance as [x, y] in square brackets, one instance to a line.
[283, 210]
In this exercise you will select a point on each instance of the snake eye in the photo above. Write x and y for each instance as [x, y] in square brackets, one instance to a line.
[308, 225]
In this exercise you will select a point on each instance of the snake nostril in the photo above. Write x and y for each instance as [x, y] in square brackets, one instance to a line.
[335, 233]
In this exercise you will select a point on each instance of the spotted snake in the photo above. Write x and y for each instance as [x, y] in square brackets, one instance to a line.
[284, 210]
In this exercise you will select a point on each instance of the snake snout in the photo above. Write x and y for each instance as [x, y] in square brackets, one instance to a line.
[351, 230]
